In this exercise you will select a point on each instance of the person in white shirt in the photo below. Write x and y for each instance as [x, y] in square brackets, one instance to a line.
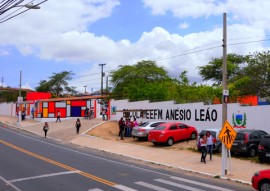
[203, 148]
[58, 116]
[209, 143]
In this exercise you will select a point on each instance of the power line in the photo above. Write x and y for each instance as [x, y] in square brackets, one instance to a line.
[188, 53]
[249, 37]
[12, 15]
[185, 52]
[247, 42]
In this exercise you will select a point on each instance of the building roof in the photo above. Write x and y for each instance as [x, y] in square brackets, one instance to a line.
[74, 98]
[15, 89]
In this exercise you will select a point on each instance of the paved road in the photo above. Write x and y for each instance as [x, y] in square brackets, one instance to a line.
[29, 163]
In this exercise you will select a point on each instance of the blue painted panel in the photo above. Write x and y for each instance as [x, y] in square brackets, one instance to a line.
[75, 111]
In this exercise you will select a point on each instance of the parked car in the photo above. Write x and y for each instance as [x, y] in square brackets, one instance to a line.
[264, 149]
[217, 147]
[171, 132]
[247, 141]
[142, 130]
[261, 180]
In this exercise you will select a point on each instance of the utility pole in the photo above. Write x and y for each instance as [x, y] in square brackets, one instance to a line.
[84, 89]
[101, 91]
[20, 98]
[225, 93]
[107, 82]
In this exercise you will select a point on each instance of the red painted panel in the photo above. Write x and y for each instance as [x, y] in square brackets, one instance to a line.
[40, 107]
[109, 111]
[248, 100]
[78, 103]
[28, 109]
[62, 111]
[95, 109]
[38, 95]
[82, 113]
[51, 107]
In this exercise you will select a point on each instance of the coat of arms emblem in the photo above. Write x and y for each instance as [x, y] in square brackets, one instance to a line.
[239, 120]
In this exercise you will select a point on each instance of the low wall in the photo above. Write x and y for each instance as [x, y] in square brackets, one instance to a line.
[196, 114]
[8, 109]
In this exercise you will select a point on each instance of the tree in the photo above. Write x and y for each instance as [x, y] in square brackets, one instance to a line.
[143, 81]
[44, 86]
[258, 74]
[213, 70]
[58, 84]
[188, 93]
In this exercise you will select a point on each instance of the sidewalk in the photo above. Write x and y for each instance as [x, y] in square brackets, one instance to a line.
[241, 170]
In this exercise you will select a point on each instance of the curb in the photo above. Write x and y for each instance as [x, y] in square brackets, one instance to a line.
[169, 166]
[135, 158]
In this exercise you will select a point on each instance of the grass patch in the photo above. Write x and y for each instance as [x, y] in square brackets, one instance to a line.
[192, 149]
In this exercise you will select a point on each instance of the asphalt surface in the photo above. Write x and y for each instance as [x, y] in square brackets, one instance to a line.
[33, 163]
[241, 170]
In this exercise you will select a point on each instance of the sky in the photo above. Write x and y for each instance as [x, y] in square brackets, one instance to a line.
[77, 36]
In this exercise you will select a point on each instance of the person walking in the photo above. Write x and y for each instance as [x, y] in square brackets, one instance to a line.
[103, 113]
[33, 113]
[209, 144]
[45, 128]
[107, 113]
[58, 116]
[203, 148]
[121, 124]
[78, 125]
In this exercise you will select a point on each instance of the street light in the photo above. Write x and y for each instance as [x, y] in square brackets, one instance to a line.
[102, 74]
[31, 6]
[7, 5]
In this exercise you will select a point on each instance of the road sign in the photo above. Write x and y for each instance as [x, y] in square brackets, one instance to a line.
[20, 99]
[227, 135]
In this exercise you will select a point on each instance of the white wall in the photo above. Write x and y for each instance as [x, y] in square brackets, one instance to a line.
[8, 109]
[197, 114]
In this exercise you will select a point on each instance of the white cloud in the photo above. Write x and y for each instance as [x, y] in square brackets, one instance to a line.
[183, 25]
[27, 86]
[250, 12]
[58, 31]
[183, 9]
[53, 19]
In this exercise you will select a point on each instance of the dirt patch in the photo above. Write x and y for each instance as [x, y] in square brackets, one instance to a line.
[110, 130]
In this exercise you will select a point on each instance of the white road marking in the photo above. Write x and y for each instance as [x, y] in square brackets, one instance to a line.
[151, 186]
[44, 176]
[200, 184]
[124, 188]
[95, 189]
[178, 185]
[93, 156]
[9, 183]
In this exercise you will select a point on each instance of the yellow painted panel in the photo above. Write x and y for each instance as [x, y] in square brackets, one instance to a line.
[68, 102]
[45, 112]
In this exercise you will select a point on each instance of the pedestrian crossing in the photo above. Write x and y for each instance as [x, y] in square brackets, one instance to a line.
[169, 184]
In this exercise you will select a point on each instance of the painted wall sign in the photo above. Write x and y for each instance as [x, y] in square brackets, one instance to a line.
[197, 114]
[181, 114]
